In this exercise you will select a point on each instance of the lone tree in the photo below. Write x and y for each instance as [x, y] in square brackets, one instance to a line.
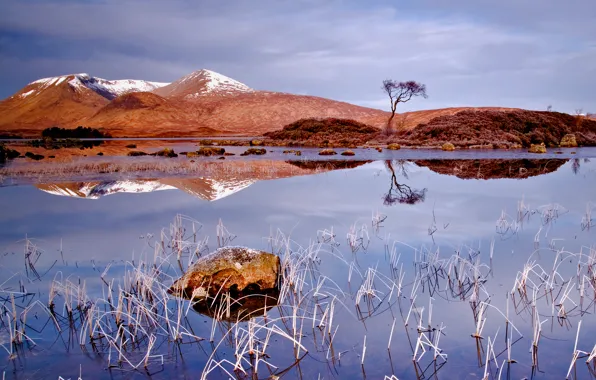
[401, 92]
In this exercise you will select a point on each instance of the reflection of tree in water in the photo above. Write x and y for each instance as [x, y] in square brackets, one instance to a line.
[576, 164]
[401, 193]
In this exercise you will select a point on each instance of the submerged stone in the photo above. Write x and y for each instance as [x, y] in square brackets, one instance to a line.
[228, 269]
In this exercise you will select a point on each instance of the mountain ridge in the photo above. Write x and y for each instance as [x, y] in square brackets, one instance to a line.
[201, 103]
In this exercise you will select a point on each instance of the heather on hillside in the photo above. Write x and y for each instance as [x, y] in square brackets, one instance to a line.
[501, 129]
[79, 132]
[323, 132]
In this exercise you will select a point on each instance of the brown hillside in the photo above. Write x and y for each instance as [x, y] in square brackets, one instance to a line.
[521, 127]
[39, 106]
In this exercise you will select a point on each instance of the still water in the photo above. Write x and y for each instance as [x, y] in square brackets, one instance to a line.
[411, 268]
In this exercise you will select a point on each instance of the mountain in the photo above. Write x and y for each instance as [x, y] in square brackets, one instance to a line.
[199, 104]
[64, 100]
[202, 82]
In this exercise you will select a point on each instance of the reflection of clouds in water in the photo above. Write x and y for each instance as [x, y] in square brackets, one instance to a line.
[109, 229]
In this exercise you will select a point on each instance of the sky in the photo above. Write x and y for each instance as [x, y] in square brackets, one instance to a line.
[528, 54]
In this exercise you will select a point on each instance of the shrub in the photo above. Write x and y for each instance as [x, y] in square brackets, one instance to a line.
[135, 153]
[34, 156]
[568, 141]
[7, 154]
[448, 147]
[537, 148]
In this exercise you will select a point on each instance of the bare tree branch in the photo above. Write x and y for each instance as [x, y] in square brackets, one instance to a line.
[401, 92]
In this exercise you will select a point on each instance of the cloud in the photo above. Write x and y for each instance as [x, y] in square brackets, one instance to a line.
[509, 54]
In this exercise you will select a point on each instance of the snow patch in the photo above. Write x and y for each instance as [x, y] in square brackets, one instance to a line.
[106, 88]
[25, 94]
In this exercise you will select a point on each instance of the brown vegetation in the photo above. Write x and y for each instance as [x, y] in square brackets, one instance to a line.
[504, 128]
[324, 132]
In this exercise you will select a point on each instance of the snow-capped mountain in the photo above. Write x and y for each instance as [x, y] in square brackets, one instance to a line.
[203, 82]
[203, 103]
[109, 89]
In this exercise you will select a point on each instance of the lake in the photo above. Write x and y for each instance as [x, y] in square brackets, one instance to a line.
[411, 264]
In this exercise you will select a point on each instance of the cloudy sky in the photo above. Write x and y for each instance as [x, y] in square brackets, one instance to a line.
[528, 54]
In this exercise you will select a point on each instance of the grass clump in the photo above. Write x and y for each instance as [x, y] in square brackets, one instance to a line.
[568, 141]
[537, 148]
[210, 151]
[448, 147]
[254, 151]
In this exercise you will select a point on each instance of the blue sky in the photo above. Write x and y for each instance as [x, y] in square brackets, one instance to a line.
[469, 53]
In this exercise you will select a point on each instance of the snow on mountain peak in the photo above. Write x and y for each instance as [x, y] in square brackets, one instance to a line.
[107, 88]
[212, 82]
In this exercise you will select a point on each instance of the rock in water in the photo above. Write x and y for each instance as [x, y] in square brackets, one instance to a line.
[228, 269]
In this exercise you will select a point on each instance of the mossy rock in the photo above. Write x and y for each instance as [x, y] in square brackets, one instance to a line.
[449, 147]
[568, 141]
[228, 269]
[537, 148]
[256, 142]
[348, 153]
[210, 151]
[327, 152]
[166, 152]
[393, 146]
[254, 151]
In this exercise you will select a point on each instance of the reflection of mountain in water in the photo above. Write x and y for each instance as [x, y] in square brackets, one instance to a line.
[492, 168]
[204, 188]
[222, 182]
